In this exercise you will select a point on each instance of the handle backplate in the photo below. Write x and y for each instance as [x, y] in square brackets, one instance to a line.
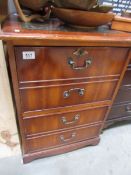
[128, 108]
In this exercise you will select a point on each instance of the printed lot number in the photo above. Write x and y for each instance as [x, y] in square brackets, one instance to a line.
[30, 55]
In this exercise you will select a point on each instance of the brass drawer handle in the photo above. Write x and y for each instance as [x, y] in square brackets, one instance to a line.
[80, 91]
[128, 108]
[75, 119]
[72, 63]
[73, 135]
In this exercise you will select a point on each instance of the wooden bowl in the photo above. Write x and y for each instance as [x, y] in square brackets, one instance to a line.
[33, 4]
[82, 18]
[76, 4]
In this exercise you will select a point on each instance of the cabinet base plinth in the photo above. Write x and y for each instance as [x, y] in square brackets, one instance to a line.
[27, 158]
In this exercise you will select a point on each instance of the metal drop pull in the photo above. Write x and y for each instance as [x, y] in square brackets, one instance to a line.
[128, 108]
[75, 119]
[79, 53]
[80, 92]
[73, 135]
[74, 66]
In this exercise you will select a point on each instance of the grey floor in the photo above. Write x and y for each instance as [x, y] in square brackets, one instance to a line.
[111, 157]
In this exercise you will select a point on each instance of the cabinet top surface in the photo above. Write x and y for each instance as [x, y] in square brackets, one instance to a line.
[53, 32]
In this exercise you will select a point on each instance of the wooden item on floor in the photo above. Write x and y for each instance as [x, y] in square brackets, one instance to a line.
[64, 83]
[121, 23]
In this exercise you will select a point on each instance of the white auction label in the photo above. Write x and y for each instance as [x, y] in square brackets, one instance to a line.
[28, 55]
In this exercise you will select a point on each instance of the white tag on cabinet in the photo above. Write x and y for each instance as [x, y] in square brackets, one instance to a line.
[28, 55]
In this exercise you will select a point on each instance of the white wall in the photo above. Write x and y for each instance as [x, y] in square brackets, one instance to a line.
[11, 7]
[9, 144]
[6, 106]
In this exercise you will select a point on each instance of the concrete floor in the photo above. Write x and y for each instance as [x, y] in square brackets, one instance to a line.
[111, 157]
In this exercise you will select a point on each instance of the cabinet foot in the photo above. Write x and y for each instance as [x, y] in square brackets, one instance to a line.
[96, 142]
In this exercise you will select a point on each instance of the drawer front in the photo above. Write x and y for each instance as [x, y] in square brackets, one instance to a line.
[39, 98]
[54, 122]
[119, 111]
[52, 63]
[62, 138]
[124, 95]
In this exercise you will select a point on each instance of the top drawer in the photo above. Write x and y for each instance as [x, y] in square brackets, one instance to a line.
[53, 63]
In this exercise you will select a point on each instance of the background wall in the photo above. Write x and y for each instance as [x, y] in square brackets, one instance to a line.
[11, 7]
[9, 144]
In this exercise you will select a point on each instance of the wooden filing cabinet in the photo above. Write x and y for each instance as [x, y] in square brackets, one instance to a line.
[121, 109]
[64, 84]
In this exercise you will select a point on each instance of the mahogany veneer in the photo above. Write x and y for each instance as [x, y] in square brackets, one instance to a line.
[51, 61]
[36, 124]
[64, 83]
